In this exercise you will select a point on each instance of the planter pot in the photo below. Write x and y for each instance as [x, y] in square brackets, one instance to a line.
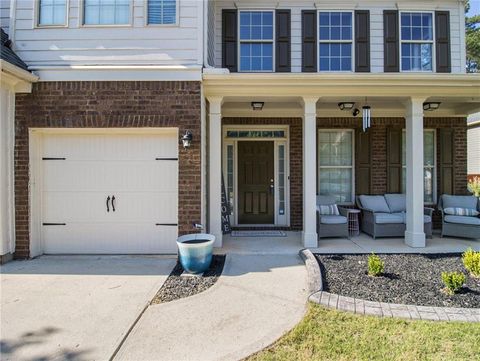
[195, 251]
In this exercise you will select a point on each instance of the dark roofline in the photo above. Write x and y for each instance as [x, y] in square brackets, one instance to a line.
[8, 55]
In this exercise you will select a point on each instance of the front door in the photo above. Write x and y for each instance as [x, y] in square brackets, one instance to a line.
[255, 182]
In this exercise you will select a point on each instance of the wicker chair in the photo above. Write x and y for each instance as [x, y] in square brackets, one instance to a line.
[331, 225]
[456, 225]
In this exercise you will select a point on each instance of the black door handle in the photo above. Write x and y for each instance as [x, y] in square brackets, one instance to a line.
[108, 200]
[113, 203]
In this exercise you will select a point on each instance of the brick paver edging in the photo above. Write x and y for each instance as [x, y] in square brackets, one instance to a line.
[381, 309]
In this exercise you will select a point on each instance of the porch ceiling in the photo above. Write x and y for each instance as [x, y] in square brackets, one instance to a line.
[386, 93]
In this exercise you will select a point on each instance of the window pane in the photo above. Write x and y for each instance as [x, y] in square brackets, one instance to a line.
[335, 56]
[335, 26]
[106, 12]
[52, 12]
[336, 182]
[417, 57]
[256, 56]
[256, 25]
[162, 11]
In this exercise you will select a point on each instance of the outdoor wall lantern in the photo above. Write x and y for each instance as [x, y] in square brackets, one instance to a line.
[431, 106]
[257, 105]
[346, 105]
[187, 139]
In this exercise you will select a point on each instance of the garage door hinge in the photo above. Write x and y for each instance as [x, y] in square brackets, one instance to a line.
[166, 158]
[54, 224]
[49, 158]
[166, 224]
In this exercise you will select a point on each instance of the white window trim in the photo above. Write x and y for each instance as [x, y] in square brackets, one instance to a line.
[336, 41]
[83, 25]
[352, 167]
[434, 65]
[256, 41]
[434, 167]
[177, 17]
[46, 26]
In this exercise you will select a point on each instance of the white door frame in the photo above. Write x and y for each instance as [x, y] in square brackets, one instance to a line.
[279, 220]
[36, 171]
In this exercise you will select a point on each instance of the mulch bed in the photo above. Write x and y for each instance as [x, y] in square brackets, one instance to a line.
[407, 279]
[179, 286]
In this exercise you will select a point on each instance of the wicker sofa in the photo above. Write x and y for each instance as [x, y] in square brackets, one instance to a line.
[331, 225]
[384, 215]
[459, 225]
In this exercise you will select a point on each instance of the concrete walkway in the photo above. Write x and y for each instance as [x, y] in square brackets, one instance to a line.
[75, 307]
[257, 299]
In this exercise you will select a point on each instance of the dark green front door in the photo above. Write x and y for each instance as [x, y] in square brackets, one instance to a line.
[255, 182]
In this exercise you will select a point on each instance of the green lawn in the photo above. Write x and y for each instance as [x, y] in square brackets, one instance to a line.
[331, 335]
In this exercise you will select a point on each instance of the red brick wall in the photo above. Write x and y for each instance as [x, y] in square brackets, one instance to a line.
[110, 105]
[296, 171]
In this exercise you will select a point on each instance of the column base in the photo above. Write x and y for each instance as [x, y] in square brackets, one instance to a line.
[415, 240]
[310, 240]
[218, 240]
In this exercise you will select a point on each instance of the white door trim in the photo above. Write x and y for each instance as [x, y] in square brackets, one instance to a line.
[279, 221]
[36, 171]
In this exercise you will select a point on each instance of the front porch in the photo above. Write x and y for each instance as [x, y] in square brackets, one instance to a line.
[300, 116]
[362, 244]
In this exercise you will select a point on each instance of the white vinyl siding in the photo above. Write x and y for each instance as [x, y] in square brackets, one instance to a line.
[52, 12]
[336, 164]
[162, 12]
[376, 25]
[473, 149]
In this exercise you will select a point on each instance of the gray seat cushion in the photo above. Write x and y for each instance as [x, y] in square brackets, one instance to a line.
[385, 218]
[396, 202]
[449, 201]
[474, 221]
[374, 203]
[333, 219]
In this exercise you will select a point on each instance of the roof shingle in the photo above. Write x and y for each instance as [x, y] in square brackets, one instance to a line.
[8, 54]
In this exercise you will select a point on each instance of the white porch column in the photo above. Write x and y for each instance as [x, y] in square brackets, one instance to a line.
[215, 169]
[414, 234]
[309, 234]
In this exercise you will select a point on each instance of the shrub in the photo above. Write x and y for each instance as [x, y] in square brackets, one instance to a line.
[453, 281]
[471, 261]
[375, 265]
[474, 186]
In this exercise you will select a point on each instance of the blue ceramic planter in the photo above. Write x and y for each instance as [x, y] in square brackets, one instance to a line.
[195, 251]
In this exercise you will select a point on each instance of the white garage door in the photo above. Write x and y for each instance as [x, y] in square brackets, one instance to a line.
[110, 193]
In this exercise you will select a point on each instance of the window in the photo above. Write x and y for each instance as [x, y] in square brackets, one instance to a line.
[336, 45]
[106, 12]
[429, 165]
[335, 164]
[417, 41]
[52, 12]
[162, 12]
[256, 41]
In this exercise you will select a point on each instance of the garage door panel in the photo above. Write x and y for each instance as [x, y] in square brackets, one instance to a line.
[102, 238]
[71, 206]
[109, 147]
[106, 176]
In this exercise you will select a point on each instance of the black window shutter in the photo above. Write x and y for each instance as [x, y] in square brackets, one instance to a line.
[229, 39]
[362, 41]
[394, 160]
[364, 163]
[309, 40]
[391, 56]
[442, 39]
[282, 46]
[447, 166]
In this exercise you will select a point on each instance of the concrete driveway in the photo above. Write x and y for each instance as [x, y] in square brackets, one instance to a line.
[75, 307]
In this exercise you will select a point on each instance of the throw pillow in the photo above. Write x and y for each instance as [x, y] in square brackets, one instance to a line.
[456, 211]
[328, 210]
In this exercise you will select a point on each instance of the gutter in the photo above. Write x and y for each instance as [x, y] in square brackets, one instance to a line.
[20, 73]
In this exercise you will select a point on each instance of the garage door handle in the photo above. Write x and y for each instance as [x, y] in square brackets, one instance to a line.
[108, 200]
[113, 203]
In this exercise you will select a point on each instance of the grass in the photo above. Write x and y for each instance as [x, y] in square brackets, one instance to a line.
[332, 335]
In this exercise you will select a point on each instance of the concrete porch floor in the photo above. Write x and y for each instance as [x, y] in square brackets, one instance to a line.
[292, 243]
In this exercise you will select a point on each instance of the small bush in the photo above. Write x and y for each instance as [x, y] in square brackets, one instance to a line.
[471, 261]
[375, 265]
[473, 186]
[453, 281]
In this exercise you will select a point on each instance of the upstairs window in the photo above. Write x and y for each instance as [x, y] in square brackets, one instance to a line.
[256, 41]
[106, 12]
[162, 12]
[416, 41]
[52, 12]
[336, 41]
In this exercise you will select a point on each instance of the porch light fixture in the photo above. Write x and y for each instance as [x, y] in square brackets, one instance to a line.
[355, 112]
[431, 106]
[346, 105]
[187, 139]
[366, 117]
[257, 105]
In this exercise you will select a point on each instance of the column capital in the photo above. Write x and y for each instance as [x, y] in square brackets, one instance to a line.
[414, 107]
[215, 105]
[310, 105]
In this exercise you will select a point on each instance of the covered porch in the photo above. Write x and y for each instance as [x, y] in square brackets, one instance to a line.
[298, 112]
